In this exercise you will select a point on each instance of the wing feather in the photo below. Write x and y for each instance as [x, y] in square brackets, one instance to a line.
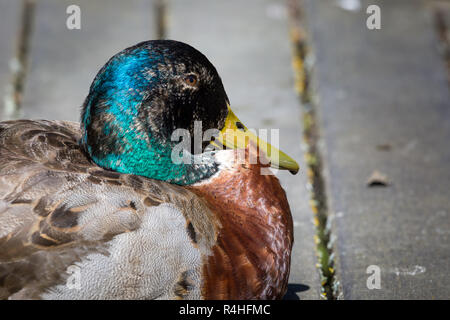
[56, 206]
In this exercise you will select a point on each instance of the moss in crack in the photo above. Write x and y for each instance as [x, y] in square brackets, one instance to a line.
[302, 69]
[319, 206]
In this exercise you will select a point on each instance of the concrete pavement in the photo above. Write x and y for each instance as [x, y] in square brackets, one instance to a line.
[383, 104]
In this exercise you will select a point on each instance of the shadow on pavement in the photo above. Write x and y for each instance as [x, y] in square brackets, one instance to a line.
[293, 289]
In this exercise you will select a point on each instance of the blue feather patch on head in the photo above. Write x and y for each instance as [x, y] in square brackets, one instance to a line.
[137, 100]
[123, 82]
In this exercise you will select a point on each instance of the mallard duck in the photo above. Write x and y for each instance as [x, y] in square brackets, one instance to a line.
[100, 210]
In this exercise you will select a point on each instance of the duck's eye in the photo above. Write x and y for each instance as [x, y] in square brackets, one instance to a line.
[191, 80]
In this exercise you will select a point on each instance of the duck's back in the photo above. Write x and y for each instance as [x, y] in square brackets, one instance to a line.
[69, 229]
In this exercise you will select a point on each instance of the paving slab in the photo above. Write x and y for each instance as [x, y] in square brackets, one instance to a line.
[248, 42]
[64, 62]
[384, 105]
[9, 30]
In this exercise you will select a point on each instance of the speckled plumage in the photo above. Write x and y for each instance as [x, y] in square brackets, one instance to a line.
[59, 209]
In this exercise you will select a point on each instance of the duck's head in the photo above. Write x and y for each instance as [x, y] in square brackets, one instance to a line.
[142, 95]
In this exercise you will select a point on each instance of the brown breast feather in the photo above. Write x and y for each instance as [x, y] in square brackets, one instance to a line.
[251, 258]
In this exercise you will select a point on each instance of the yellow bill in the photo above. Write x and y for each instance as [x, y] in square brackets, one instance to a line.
[235, 135]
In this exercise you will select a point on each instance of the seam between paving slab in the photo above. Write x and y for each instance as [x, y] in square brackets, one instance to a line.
[442, 30]
[301, 63]
[19, 65]
[161, 8]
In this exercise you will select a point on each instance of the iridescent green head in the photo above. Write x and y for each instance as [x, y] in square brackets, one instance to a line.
[139, 98]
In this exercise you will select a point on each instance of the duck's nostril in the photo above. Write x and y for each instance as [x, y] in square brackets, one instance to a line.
[240, 126]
